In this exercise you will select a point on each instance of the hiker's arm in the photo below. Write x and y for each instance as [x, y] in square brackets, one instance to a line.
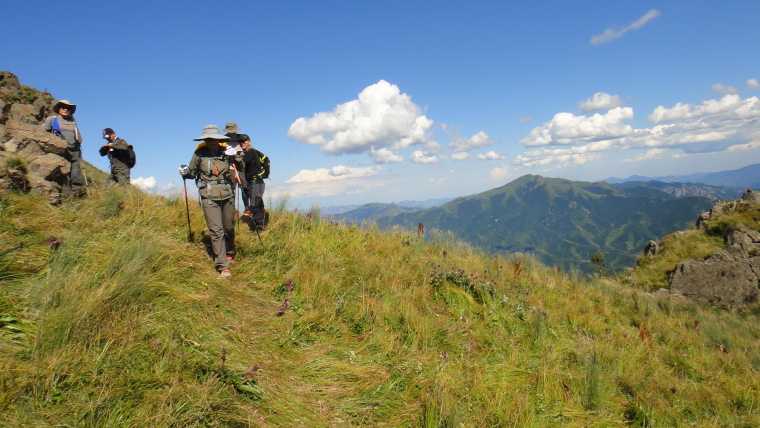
[237, 171]
[240, 165]
[265, 167]
[80, 140]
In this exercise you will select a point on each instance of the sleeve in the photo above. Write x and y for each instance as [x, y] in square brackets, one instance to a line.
[48, 125]
[194, 166]
[103, 150]
[120, 144]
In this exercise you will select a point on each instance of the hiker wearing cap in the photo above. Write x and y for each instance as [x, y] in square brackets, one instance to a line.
[231, 131]
[120, 154]
[62, 124]
[214, 173]
[256, 170]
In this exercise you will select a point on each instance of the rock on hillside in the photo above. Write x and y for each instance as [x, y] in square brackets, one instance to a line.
[30, 159]
[726, 275]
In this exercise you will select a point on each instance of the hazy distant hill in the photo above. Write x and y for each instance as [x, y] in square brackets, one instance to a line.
[372, 211]
[742, 178]
[563, 222]
[681, 190]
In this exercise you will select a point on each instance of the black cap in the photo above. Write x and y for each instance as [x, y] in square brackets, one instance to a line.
[108, 131]
[243, 137]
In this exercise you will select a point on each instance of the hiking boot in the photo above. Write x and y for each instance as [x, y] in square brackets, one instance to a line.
[225, 273]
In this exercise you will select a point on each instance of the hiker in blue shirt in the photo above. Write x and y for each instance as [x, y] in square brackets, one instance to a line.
[62, 124]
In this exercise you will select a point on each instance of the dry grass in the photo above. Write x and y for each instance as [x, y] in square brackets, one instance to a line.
[126, 325]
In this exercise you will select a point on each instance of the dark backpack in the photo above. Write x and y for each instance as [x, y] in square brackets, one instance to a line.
[131, 158]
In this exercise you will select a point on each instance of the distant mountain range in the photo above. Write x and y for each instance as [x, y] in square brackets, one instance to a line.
[370, 208]
[749, 176]
[562, 222]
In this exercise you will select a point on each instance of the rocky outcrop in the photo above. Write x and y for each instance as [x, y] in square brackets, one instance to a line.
[722, 279]
[729, 278]
[30, 159]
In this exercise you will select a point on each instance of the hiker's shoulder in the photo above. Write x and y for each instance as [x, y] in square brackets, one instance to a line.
[202, 149]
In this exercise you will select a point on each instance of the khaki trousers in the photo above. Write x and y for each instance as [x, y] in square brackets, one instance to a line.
[220, 219]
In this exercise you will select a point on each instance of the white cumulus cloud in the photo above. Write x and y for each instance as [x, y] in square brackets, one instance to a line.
[491, 155]
[568, 128]
[337, 180]
[753, 84]
[600, 101]
[382, 116]
[613, 33]
[336, 173]
[145, 183]
[460, 156]
[421, 157]
[479, 139]
[728, 123]
[385, 155]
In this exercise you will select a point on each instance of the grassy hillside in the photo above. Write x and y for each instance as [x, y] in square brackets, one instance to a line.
[561, 222]
[126, 324]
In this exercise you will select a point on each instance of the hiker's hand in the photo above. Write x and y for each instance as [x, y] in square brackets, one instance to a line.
[184, 171]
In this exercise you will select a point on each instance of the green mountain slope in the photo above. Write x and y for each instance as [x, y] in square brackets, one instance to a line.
[562, 222]
[109, 318]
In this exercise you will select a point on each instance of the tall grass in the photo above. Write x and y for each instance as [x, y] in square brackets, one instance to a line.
[126, 324]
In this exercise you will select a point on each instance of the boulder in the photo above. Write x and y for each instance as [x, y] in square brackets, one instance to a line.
[25, 113]
[743, 241]
[722, 279]
[29, 140]
[50, 167]
[9, 82]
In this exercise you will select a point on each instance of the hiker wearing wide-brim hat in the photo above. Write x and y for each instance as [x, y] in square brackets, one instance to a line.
[63, 124]
[64, 103]
[214, 173]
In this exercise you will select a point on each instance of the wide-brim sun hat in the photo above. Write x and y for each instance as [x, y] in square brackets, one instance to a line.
[231, 127]
[59, 103]
[211, 132]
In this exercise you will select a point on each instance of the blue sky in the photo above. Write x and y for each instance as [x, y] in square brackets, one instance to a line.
[440, 79]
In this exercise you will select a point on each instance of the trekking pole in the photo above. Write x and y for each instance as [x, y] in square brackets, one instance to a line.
[237, 213]
[187, 211]
[86, 183]
[257, 234]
